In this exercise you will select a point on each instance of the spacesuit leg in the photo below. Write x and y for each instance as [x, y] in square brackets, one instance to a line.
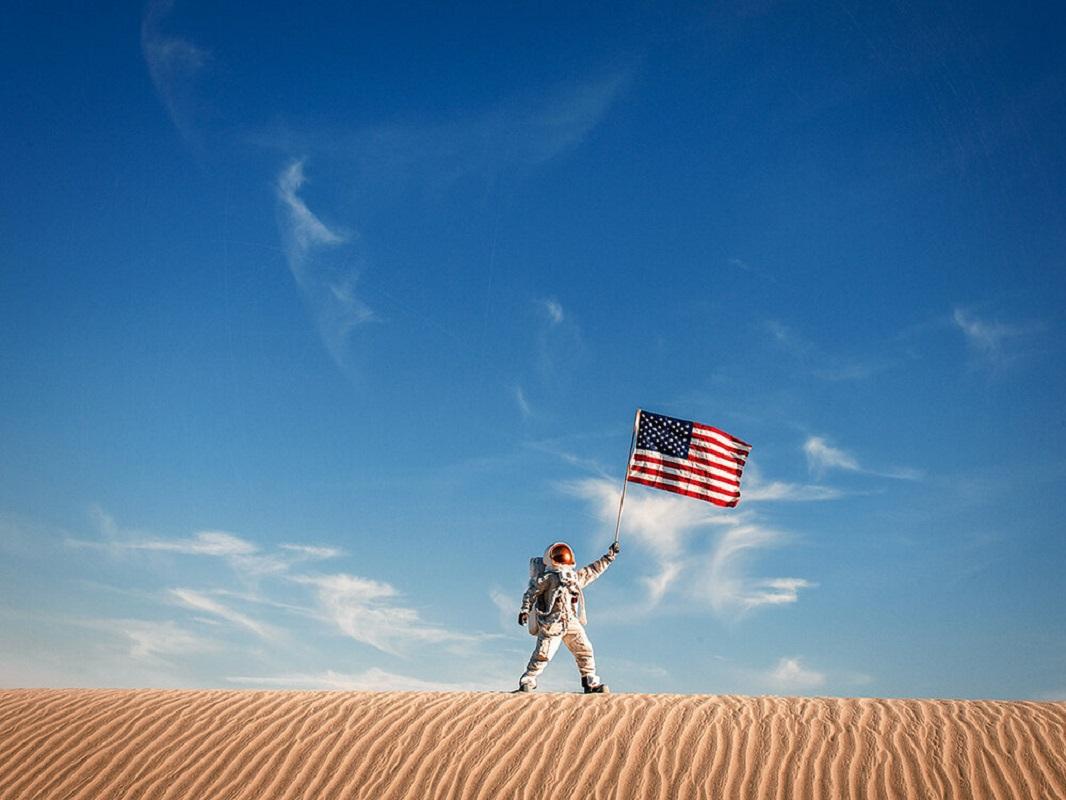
[546, 648]
[577, 641]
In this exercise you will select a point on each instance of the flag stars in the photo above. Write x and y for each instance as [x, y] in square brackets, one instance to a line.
[664, 435]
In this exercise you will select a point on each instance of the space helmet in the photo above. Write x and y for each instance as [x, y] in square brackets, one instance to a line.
[559, 556]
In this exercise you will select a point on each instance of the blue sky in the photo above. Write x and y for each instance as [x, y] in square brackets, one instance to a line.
[317, 322]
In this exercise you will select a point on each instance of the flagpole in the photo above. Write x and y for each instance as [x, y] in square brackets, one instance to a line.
[625, 480]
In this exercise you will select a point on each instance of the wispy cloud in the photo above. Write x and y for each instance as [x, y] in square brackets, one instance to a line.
[514, 135]
[522, 402]
[205, 543]
[727, 584]
[243, 556]
[312, 551]
[748, 267]
[819, 363]
[173, 64]
[200, 601]
[657, 585]
[370, 680]
[553, 309]
[305, 231]
[783, 491]
[557, 448]
[247, 622]
[758, 490]
[153, 640]
[672, 533]
[383, 158]
[658, 523]
[791, 675]
[328, 286]
[740, 263]
[507, 606]
[560, 342]
[367, 610]
[993, 343]
[823, 457]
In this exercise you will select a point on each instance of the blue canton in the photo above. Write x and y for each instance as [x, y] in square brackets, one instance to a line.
[664, 435]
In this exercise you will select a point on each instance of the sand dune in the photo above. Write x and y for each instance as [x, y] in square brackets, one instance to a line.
[233, 744]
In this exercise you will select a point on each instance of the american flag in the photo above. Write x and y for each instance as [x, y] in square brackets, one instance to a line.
[688, 458]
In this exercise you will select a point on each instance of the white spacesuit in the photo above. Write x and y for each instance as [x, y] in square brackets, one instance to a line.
[554, 608]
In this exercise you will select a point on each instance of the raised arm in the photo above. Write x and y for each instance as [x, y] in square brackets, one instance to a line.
[587, 575]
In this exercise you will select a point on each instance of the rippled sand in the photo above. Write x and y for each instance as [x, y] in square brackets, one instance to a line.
[97, 744]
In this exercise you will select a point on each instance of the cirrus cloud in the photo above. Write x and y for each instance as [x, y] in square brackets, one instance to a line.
[698, 551]
[328, 287]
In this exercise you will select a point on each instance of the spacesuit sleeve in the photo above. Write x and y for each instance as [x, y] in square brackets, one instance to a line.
[587, 575]
[532, 591]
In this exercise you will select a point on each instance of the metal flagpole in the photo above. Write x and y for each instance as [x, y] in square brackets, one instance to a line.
[625, 480]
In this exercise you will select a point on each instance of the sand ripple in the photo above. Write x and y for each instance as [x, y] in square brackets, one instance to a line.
[96, 744]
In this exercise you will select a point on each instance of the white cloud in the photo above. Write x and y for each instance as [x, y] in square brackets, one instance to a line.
[552, 447]
[727, 585]
[305, 231]
[152, 640]
[507, 606]
[756, 490]
[669, 531]
[657, 523]
[205, 543]
[789, 492]
[367, 610]
[822, 457]
[364, 609]
[775, 591]
[201, 602]
[147, 640]
[985, 336]
[328, 288]
[370, 680]
[244, 557]
[523, 404]
[657, 585]
[656, 520]
[821, 364]
[990, 341]
[312, 552]
[559, 342]
[561, 121]
[554, 310]
[173, 64]
[519, 134]
[790, 675]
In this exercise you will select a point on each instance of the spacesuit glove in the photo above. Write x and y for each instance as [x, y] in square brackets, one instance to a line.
[615, 548]
[523, 617]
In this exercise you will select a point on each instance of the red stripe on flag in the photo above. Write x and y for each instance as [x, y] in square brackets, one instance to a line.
[679, 490]
[697, 426]
[668, 477]
[696, 483]
[730, 466]
[719, 475]
[716, 446]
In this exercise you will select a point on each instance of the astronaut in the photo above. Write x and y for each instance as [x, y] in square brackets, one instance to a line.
[554, 609]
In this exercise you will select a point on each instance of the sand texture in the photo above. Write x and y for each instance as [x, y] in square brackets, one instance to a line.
[208, 745]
